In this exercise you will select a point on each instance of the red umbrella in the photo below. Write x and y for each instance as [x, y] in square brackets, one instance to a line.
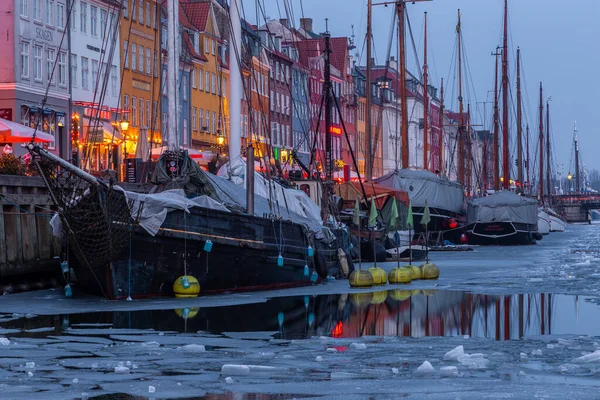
[11, 132]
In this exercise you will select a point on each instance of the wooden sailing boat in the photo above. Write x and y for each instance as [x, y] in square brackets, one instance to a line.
[127, 245]
[503, 218]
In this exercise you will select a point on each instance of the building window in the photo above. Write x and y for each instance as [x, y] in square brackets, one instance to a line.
[84, 73]
[213, 47]
[272, 102]
[133, 109]
[142, 110]
[163, 39]
[126, 54]
[49, 12]
[141, 59]
[207, 126]
[60, 15]
[94, 20]
[50, 66]
[83, 17]
[24, 9]
[214, 123]
[154, 16]
[104, 22]
[147, 113]
[37, 10]
[94, 73]
[185, 131]
[155, 65]
[133, 56]
[37, 63]
[147, 14]
[213, 86]
[194, 127]
[148, 62]
[184, 86]
[126, 8]
[224, 86]
[73, 19]
[207, 82]
[201, 119]
[62, 69]
[200, 80]
[133, 12]
[74, 70]
[154, 114]
[219, 86]
[113, 79]
[206, 49]
[25, 60]
[193, 74]
[141, 9]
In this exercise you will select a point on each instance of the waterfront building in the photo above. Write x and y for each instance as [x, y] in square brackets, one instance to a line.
[34, 74]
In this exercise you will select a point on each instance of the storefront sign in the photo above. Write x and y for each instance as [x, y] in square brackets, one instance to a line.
[43, 34]
[6, 113]
[140, 85]
[131, 170]
[95, 136]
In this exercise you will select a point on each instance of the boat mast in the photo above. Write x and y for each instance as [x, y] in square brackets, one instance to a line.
[541, 194]
[548, 180]
[576, 161]
[235, 82]
[400, 8]
[505, 144]
[172, 73]
[519, 123]
[461, 128]
[425, 101]
[369, 155]
[441, 134]
[527, 159]
[469, 149]
[327, 94]
[496, 127]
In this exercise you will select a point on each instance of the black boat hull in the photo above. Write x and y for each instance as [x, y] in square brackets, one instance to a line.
[244, 256]
[501, 234]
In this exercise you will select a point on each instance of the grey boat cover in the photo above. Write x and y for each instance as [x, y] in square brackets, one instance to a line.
[504, 206]
[423, 185]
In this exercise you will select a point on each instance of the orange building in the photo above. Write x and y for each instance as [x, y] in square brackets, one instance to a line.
[140, 83]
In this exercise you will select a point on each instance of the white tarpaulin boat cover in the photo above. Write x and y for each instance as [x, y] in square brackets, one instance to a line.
[423, 185]
[503, 206]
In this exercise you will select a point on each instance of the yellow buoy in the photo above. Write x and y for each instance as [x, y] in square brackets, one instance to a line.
[379, 297]
[400, 275]
[379, 275]
[361, 299]
[400, 295]
[415, 272]
[429, 271]
[186, 286]
[187, 313]
[361, 278]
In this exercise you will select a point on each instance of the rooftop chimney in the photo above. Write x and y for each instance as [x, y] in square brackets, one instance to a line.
[393, 64]
[285, 22]
[306, 24]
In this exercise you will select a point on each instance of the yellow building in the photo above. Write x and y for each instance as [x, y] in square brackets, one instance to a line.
[209, 78]
[140, 92]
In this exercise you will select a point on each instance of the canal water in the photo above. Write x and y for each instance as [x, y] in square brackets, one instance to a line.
[516, 322]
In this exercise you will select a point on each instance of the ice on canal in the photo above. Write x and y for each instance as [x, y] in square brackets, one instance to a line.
[500, 323]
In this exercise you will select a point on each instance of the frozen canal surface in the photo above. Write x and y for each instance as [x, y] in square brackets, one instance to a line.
[500, 323]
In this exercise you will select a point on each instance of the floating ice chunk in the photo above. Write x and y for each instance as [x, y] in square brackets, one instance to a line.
[536, 280]
[536, 352]
[121, 370]
[192, 348]
[234, 369]
[550, 345]
[161, 334]
[332, 350]
[466, 336]
[229, 380]
[425, 368]
[563, 342]
[395, 371]
[94, 365]
[134, 366]
[319, 359]
[453, 354]
[4, 341]
[29, 374]
[449, 371]
[30, 365]
[521, 373]
[474, 361]
[267, 354]
[151, 389]
[358, 346]
[75, 380]
[289, 357]
[588, 358]
[128, 363]
[151, 344]
[523, 356]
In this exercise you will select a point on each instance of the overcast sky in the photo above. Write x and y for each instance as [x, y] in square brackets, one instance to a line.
[558, 41]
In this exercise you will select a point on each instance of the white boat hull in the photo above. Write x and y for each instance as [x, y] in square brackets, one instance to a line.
[543, 222]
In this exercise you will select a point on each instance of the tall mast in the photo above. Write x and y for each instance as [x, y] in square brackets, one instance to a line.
[235, 82]
[576, 161]
[496, 128]
[519, 122]
[527, 159]
[461, 127]
[425, 101]
[172, 73]
[400, 7]
[541, 145]
[441, 135]
[548, 180]
[469, 149]
[327, 94]
[369, 155]
[505, 166]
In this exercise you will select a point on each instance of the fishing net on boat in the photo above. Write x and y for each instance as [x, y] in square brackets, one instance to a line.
[96, 217]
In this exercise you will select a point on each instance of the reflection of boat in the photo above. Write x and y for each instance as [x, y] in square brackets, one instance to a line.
[503, 218]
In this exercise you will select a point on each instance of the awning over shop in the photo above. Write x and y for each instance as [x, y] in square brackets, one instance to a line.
[100, 132]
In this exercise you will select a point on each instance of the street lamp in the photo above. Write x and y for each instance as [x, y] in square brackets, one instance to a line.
[569, 177]
[220, 140]
[124, 127]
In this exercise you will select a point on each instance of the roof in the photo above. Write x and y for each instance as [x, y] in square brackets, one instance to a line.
[197, 13]
[350, 191]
